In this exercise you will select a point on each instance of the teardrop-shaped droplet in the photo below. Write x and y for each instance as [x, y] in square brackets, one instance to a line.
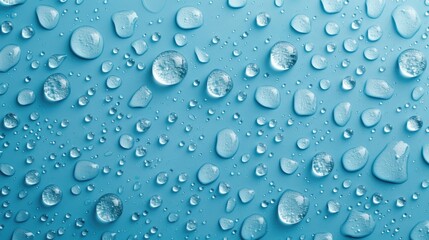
[355, 158]
[26, 97]
[56, 60]
[9, 57]
[141, 98]
[370, 117]
[301, 23]
[48, 16]
[391, 165]
[288, 166]
[202, 56]
[342, 113]
[86, 170]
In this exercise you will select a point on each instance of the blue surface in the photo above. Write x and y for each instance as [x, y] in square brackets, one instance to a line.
[229, 25]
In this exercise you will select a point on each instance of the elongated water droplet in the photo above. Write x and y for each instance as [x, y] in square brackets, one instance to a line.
[208, 173]
[226, 143]
[283, 56]
[342, 113]
[86, 170]
[141, 98]
[407, 20]
[374, 8]
[332, 6]
[378, 88]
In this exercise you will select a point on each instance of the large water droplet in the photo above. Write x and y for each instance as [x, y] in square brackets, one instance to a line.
[189, 18]
[355, 158]
[253, 227]
[304, 102]
[391, 164]
[378, 88]
[87, 42]
[56, 87]
[358, 225]
[268, 96]
[332, 6]
[108, 208]
[125, 22]
[322, 164]
[374, 8]
[226, 143]
[370, 117]
[154, 6]
[141, 98]
[246, 195]
[9, 57]
[51, 195]
[169, 68]
[407, 20]
[20, 233]
[9, 3]
[48, 16]
[86, 170]
[208, 173]
[412, 63]
[342, 113]
[420, 231]
[301, 23]
[26, 97]
[283, 56]
[288, 166]
[292, 207]
[7, 169]
[219, 83]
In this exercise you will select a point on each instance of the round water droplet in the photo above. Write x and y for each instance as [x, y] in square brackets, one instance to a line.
[126, 141]
[246, 195]
[268, 97]
[87, 42]
[226, 143]
[332, 28]
[169, 68]
[374, 8]
[189, 18]
[32, 178]
[371, 53]
[407, 20]
[370, 117]
[108, 208]
[288, 166]
[350, 45]
[355, 159]
[26, 97]
[113, 82]
[414, 123]
[251, 70]
[283, 56]
[412, 63]
[51, 195]
[10, 121]
[180, 39]
[226, 224]
[374, 33]
[253, 227]
[292, 207]
[208, 173]
[219, 84]
[301, 23]
[319, 62]
[56, 87]
[333, 206]
[263, 19]
[322, 164]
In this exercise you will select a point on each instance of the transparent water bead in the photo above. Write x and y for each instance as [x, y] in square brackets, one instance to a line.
[86, 170]
[288, 166]
[139, 46]
[332, 28]
[371, 53]
[263, 19]
[20, 233]
[391, 165]
[9, 3]
[323, 236]
[342, 113]
[378, 88]
[9, 57]
[251, 70]
[226, 143]
[141, 98]
[304, 102]
[143, 125]
[268, 97]
[202, 56]
[226, 223]
[292, 207]
[113, 82]
[219, 83]
[301, 23]
[412, 63]
[283, 56]
[189, 18]
[350, 45]
[370, 117]
[253, 227]
[22, 216]
[48, 16]
[246, 195]
[56, 87]
[154, 6]
[56, 60]
[420, 231]
[358, 225]
[208, 173]
[417, 93]
[374, 8]
[125, 22]
[51, 195]
[169, 68]
[407, 20]
[414, 124]
[6, 27]
[126, 141]
[425, 152]
[374, 33]
[7, 169]
[322, 164]
[26, 97]
[237, 3]
[180, 39]
[355, 158]
[319, 62]
[10, 121]
[32, 178]
[87, 42]
[332, 6]
[108, 208]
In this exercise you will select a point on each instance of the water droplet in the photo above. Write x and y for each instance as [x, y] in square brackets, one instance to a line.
[305, 102]
[332, 28]
[370, 117]
[51, 195]
[301, 23]
[253, 227]
[332, 6]
[20, 233]
[342, 113]
[86, 170]
[237, 3]
[155, 201]
[125, 22]
[251, 70]
[374, 33]
[169, 68]
[154, 6]
[414, 123]
[9, 57]
[56, 87]
[322, 164]
[425, 152]
[141, 98]
[323, 236]
[263, 19]
[10, 121]
[348, 83]
[113, 82]
[208, 173]
[407, 20]
[108, 208]
[358, 225]
[226, 224]
[417, 93]
[371, 53]
[126, 141]
[226, 143]
[246, 195]
[6, 27]
[412, 63]
[48, 16]
[7, 169]
[86, 42]
[391, 164]
[374, 8]
[219, 83]
[268, 96]
[355, 158]
[32, 178]
[27, 32]
[180, 39]
[420, 231]
[350, 45]
[56, 60]
[288, 166]
[333, 206]
[189, 18]
[26, 97]
[378, 88]
[292, 207]
[319, 62]
[202, 56]
[283, 56]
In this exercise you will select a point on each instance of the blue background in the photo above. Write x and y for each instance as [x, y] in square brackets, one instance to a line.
[229, 25]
